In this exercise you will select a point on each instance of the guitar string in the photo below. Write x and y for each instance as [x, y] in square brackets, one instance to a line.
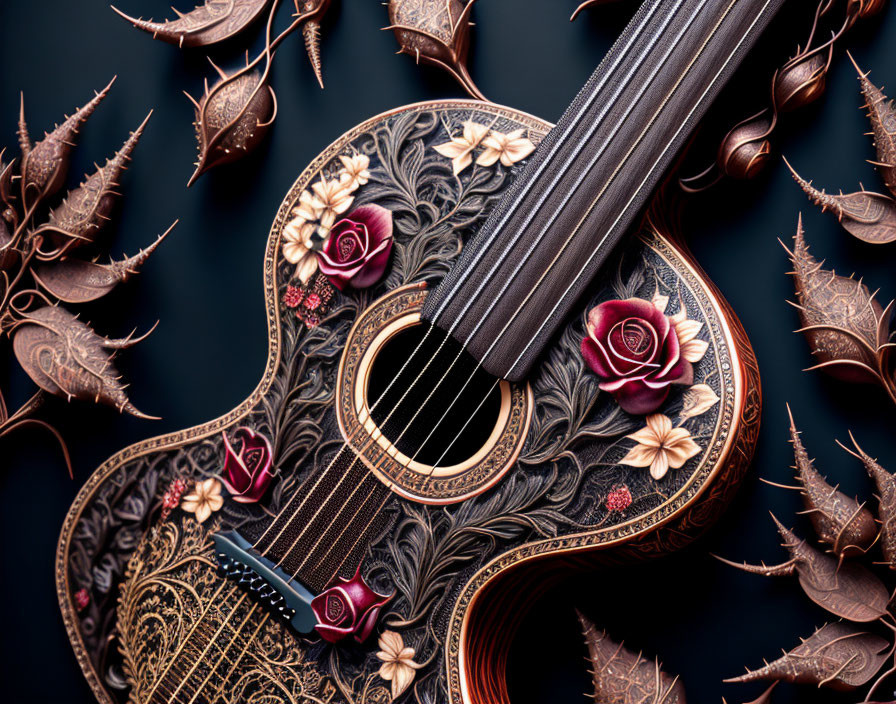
[644, 181]
[641, 186]
[539, 170]
[561, 140]
[174, 663]
[564, 170]
[186, 639]
[640, 95]
[205, 650]
[541, 234]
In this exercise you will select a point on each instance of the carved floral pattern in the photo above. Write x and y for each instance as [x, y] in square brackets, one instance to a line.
[564, 493]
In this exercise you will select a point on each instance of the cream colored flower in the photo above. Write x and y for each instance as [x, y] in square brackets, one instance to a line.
[509, 148]
[660, 446]
[398, 662]
[692, 349]
[204, 500]
[355, 170]
[460, 149]
[331, 198]
[298, 247]
[697, 400]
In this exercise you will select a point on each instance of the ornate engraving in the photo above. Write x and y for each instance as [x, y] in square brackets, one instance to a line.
[436, 559]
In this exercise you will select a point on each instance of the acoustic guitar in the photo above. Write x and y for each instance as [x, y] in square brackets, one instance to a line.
[490, 359]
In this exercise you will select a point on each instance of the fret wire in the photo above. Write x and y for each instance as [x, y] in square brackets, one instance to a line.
[560, 140]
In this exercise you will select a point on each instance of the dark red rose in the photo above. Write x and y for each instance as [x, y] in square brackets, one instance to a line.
[634, 349]
[357, 250]
[348, 608]
[247, 470]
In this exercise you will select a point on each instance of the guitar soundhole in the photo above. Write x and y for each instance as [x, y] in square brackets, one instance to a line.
[441, 408]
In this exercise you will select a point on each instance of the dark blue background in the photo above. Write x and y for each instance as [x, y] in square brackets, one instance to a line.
[704, 619]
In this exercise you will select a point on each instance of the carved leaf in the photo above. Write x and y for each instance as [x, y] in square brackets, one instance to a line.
[65, 357]
[435, 32]
[623, 677]
[44, 167]
[883, 127]
[87, 208]
[871, 217]
[886, 493]
[313, 10]
[846, 589]
[78, 281]
[232, 118]
[842, 322]
[841, 522]
[837, 655]
[206, 24]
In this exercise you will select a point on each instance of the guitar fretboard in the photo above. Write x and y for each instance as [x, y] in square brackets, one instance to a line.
[542, 245]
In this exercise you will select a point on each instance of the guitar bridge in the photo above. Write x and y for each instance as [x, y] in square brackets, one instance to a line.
[266, 583]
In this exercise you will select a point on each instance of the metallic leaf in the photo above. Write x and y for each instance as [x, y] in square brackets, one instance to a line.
[871, 217]
[232, 117]
[842, 322]
[621, 676]
[435, 32]
[44, 167]
[845, 589]
[312, 12]
[837, 655]
[79, 281]
[87, 208]
[882, 115]
[206, 24]
[67, 358]
[886, 493]
[840, 521]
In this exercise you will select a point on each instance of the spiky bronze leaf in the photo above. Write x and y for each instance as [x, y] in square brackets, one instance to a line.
[232, 117]
[886, 494]
[435, 32]
[44, 167]
[623, 677]
[79, 281]
[840, 521]
[67, 358]
[868, 216]
[837, 655]
[882, 115]
[86, 209]
[842, 322]
[846, 589]
[312, 12]
[206, 24]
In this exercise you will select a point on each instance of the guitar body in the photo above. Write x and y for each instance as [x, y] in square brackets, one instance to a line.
[459, 550]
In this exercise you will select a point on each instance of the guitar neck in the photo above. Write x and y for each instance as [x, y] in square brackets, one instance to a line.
[517, 280]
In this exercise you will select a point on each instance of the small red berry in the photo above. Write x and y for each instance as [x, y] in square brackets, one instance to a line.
[312, 301]
[619, 499]
[82, 599]
[292, 297]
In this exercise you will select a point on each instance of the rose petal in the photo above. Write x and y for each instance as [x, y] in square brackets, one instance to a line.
[638, 399]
